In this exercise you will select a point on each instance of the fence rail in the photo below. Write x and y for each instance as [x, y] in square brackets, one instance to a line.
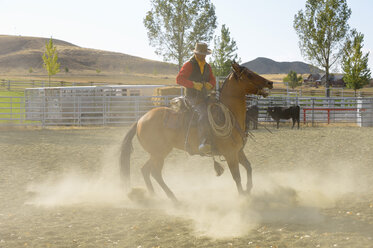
[122, 110]
[20, 86]
[355, 110]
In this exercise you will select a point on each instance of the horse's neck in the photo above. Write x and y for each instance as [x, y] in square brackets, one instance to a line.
[237, 105]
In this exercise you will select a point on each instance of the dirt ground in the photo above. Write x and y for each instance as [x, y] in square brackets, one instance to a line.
[312, 188]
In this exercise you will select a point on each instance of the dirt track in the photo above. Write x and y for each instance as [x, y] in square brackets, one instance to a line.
[312, 188]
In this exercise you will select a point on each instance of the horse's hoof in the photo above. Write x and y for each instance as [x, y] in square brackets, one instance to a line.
[218, 169]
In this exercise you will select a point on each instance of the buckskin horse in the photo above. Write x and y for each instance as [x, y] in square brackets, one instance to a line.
[158, 140]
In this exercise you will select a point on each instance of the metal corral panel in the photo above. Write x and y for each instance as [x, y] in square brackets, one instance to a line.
[86, 104]
[321, 109]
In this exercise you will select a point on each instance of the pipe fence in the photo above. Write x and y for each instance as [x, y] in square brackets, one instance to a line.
[20, 86]
[112, 110]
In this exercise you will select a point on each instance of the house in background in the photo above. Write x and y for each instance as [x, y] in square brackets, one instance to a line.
[336, 80]
[316, 79]
[313, 80]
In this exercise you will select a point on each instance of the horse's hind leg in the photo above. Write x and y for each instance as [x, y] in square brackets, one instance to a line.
[156, 172]
[245, 163]
[146, 169]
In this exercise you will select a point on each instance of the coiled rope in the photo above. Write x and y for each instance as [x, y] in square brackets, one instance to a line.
[224, 130]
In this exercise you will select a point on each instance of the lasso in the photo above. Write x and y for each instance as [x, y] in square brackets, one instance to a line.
[224, 130]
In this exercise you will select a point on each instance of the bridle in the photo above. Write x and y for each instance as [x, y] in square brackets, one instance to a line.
[238, 77]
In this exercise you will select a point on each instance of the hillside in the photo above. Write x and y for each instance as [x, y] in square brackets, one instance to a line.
[267, 66]
[19, 54]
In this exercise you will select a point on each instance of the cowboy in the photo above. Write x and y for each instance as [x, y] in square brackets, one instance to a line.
[196, 75]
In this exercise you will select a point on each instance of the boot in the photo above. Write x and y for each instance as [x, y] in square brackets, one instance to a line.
[205, 145]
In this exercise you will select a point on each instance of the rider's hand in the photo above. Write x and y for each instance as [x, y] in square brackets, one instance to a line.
[209, 86]
[197, 86]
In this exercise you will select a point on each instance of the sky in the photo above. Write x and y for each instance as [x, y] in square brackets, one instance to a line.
[260, 28]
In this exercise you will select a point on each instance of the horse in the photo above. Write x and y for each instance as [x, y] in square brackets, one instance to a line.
[158, 140]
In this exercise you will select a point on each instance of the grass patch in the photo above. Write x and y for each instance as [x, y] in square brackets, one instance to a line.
[11, 107]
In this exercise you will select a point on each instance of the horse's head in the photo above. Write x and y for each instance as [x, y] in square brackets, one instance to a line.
[249, 81]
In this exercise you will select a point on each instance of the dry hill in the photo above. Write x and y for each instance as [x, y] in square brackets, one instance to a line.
[268, 66]
[19, 54]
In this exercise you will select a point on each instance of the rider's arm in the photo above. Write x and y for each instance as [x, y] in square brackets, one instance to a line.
[184, 73]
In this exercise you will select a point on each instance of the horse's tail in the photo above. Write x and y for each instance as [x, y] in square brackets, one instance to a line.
[125, 156]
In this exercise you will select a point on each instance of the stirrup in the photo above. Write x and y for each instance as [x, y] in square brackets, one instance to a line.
[205, 148]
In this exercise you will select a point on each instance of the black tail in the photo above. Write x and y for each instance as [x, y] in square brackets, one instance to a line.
[125, 156]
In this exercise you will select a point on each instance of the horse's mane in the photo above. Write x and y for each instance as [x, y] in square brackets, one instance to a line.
[226, 78]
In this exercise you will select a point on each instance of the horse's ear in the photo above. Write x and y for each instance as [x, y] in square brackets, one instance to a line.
[236, 67]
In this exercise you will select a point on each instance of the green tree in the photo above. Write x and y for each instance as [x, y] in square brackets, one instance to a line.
[66, 70]
[50, 58]
[322, 29]
[174, 26]
[355, 63]
[293, 80]
[224, 53]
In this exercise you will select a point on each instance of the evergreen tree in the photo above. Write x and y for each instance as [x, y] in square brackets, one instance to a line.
[224, 53]
[50, 58]
[355, 63]
[174, 27]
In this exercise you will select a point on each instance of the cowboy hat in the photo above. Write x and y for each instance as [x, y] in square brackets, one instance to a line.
[201, 48]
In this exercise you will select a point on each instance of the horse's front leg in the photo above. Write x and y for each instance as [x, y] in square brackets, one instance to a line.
[233, 167]
[245, 163]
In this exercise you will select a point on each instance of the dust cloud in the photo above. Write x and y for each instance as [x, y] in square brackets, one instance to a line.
[294, 196]
[79, 187]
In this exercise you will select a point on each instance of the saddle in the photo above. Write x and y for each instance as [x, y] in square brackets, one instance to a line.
[181, 115]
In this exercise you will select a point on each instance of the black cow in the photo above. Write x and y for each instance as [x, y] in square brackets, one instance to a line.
[252, 114]
[278, 113]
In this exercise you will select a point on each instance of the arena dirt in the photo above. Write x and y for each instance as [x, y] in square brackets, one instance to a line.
[312, 188]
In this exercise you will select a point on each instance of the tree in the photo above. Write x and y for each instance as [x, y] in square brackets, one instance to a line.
[50, 58]
[293, 79]
[224, 53]
[174, 26]
[355, 63]
[322, 29]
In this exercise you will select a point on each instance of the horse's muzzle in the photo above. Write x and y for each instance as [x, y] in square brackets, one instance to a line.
[270, 85]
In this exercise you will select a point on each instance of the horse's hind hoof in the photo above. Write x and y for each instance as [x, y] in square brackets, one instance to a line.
[138, 195]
